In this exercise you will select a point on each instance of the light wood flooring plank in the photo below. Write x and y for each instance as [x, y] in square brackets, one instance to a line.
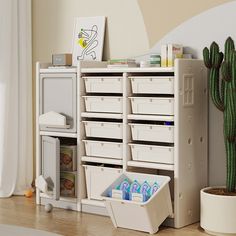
[22, 211]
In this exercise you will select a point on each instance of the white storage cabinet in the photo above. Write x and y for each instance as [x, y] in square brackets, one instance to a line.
[163, 130]
[126, 119]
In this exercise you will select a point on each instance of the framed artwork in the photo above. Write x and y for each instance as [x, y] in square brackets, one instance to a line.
[88, 39]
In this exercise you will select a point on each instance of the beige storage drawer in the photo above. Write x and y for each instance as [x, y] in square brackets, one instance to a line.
[100, 129]
[112, 150]
[153, 133]
[152, 105]
[105, 84]
[152, 153]
[152, 84]
[103, 104]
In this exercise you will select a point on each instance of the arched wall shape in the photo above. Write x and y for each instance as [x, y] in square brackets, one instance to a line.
[215, 24]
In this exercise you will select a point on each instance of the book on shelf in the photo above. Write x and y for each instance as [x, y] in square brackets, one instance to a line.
[174, 51]
[122, 65]
[164, 56]
[117, 63]
[121, 61]
[169, 52]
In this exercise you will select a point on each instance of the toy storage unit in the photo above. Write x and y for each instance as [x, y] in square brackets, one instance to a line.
[135, 120]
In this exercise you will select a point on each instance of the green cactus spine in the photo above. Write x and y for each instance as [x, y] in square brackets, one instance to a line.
[224, 98]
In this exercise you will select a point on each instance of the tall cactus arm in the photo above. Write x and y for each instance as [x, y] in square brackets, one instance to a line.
[213, 59]
[232, 101]
[216, 60]
[206, 57]
[229, 46]
[214, 48]
[215, 89]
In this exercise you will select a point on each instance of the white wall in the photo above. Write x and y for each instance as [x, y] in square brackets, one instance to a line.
[215, 24]
[135, 26]
[53, 22]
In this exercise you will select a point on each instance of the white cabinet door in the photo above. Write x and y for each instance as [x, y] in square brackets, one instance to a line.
[51, 164]
[58, 94]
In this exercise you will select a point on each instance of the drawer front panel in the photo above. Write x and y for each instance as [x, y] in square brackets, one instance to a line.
[151, 153]
[103, 149]
[95, 84]
[152, 106]
[152, 85]
[103, 104]
[103, 129]
[154, 133]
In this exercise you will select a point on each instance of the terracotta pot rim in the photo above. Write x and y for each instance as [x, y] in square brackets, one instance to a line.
[203, 191]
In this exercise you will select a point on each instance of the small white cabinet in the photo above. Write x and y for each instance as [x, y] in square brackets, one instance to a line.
[125, 119]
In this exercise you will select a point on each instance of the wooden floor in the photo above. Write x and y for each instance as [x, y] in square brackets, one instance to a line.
[22, 211]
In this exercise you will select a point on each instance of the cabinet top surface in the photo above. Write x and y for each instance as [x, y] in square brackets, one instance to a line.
[129, 69]
[105, 69]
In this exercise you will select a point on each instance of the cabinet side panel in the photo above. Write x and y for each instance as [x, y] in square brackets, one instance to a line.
[191, 139]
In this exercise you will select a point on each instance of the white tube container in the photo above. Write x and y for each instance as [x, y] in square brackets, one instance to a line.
[144, 216]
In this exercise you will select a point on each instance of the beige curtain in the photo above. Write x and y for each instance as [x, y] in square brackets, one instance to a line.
[16, 164]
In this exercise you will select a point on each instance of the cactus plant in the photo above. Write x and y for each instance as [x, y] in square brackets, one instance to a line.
[223, 94]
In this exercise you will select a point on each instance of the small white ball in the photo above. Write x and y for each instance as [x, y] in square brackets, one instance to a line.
[48, 207]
